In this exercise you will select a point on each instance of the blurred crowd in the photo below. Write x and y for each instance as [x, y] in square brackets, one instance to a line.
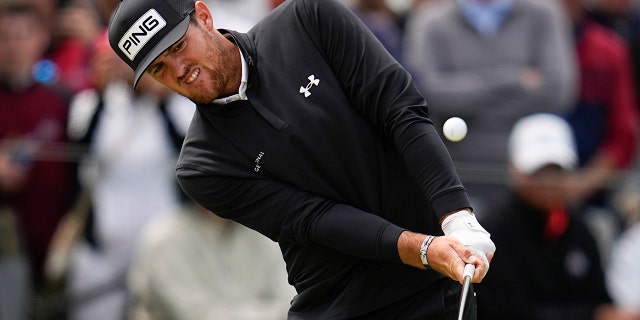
[94, 226]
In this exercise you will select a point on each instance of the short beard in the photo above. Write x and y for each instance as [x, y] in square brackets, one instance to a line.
[219, 80]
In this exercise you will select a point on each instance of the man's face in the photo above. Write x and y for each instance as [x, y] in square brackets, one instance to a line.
[197, 66]
[23, 42]
[543, 188]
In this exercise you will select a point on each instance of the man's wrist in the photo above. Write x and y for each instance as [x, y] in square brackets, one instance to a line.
[468, 210]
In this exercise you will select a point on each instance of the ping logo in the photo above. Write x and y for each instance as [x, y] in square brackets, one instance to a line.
[312, 81]
[140, 33]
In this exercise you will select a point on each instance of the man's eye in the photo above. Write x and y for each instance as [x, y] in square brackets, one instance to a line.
[178, 46]
[156, 69]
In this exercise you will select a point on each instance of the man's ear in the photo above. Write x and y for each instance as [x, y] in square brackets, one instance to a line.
[203, 15]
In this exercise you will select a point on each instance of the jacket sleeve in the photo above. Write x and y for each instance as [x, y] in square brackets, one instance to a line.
[284, 213]
[383, 91]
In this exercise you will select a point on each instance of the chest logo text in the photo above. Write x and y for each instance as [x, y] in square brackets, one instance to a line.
[258, 158]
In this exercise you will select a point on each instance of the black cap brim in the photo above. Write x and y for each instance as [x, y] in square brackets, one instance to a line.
[172, 37]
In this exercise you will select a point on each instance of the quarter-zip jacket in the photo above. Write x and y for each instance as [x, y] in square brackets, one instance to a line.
[332, 156]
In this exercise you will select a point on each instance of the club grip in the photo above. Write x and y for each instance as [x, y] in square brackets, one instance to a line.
[469, 269]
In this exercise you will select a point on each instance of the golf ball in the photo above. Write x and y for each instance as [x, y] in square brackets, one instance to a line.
[454, 129]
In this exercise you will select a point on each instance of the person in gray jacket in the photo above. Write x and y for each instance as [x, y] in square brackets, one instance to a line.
[490, 62]
[309, 132]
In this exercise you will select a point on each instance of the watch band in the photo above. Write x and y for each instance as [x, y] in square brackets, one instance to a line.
[423, 250]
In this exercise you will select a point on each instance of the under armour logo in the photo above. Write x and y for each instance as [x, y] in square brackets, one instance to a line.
[312, 81]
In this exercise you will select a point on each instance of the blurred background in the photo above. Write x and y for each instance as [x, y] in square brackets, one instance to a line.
[93, 224]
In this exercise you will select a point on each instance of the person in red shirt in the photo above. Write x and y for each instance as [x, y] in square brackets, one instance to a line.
[604, 119]
[35, 181]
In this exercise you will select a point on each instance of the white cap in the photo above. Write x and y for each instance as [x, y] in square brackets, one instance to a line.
[542, 139]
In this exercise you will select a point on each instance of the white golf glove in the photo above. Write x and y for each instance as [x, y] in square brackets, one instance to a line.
[464, 226]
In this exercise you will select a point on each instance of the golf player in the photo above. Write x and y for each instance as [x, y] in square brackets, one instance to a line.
[309, 132]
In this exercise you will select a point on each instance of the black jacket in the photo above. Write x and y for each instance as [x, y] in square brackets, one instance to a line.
[333, 156]
[534, 278]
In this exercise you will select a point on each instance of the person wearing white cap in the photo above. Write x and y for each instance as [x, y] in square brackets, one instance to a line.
[549, 267]
[308, 131]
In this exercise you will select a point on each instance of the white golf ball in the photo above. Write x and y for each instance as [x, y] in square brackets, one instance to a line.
[454, 129]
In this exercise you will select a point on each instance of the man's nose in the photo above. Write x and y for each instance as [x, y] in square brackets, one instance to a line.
[176, 66]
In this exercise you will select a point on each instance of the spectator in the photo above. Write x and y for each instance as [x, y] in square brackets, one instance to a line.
[621, 275]
[604, 119]
[490, 63]
[549, 265]
[133, 138]
[623, 17]
[238, 14]
[70, 26]
[384, 23]
[34, 181]
[105, 9]
[197, 266]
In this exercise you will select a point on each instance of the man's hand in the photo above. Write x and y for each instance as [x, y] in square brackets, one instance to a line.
[446, 255]
[464, 226]
[530, 78]
[13, 177]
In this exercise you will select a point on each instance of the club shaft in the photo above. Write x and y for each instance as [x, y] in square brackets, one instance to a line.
[469, 269]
